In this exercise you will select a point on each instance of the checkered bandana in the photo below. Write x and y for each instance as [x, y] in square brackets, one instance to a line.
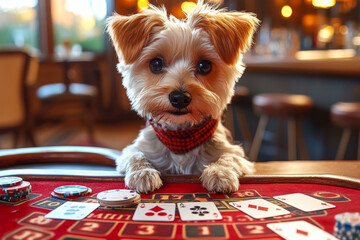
[183, 141]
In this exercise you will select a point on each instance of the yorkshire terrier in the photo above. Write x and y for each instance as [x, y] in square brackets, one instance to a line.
[179, 75]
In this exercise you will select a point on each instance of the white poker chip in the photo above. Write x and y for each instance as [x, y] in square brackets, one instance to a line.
[121, 205]
[117, 195]
[10, 181]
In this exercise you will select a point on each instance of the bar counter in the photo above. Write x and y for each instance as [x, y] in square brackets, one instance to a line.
[348, 67]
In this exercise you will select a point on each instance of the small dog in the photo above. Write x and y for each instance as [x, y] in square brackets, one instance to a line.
[180, 76]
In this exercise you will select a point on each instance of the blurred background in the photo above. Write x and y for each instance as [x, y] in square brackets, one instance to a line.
[307, 47]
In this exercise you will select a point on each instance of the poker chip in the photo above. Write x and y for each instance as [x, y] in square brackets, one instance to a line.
[118, 198]
[17, 193]
[14, 189]
[10, 181]
[61, 197]
[347, 226]
[8, 198]
[71, 192]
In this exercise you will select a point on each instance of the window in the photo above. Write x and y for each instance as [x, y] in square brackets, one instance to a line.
[79, 25]
[18, 24]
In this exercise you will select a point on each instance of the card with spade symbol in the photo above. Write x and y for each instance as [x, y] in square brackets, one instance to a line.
[155, 212]
[304, 202]
[259, 208]
[198, 211]
[299, 230]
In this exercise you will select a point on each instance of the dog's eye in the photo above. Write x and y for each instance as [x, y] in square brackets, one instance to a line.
[156, 65]
[204, 67]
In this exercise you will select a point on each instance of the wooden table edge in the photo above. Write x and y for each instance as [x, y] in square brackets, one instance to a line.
[113, 176]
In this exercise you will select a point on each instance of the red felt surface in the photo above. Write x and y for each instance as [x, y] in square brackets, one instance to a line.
[25, 220]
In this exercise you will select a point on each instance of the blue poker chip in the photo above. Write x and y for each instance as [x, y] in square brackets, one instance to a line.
[10, 181]
[347, 226]
[55, 195]
[71, 190]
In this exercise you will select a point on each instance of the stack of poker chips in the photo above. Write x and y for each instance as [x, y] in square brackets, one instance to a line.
[118, 198]
[71, 192]
[14, 189]
[347, 226]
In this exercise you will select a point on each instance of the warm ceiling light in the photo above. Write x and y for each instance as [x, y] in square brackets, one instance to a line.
[142, 4]
[188, 6]
[326, 33]
[286, 11]
[323, 3]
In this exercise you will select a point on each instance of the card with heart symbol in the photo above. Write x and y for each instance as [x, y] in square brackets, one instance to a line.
[155, 212]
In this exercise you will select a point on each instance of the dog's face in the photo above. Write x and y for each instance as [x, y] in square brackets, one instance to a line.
[181, 73]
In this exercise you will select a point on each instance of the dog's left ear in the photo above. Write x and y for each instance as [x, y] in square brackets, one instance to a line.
[230, 32]
[130, 34]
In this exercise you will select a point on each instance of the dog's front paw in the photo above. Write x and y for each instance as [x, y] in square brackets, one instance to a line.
[219, 179]
[144, 180]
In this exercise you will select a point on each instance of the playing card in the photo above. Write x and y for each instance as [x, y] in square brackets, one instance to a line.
[299, 230]
[72, 210]
[155, 212]
[259, 208]
[304, 202]
[198, 211]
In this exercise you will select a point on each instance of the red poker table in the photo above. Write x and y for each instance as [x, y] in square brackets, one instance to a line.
[25, 219]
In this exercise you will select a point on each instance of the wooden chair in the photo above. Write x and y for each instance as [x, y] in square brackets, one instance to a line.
[18, 71]
[347, 116]
[281, 106]
[68, 99]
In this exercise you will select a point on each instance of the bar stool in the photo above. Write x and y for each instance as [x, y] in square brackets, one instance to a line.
[282, 106]
[240, 97]
[347, 116]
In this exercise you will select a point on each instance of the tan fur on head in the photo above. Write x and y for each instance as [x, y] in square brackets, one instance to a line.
[131, 33]
[229, 31]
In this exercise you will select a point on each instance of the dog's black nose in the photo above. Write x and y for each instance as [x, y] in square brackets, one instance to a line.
[179, 99]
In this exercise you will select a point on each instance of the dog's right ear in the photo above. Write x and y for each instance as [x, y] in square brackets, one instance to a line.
[130, 34]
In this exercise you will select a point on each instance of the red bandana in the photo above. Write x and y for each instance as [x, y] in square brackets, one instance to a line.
[183, 141]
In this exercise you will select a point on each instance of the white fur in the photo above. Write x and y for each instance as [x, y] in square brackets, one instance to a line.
[181, 45]
[223, 162]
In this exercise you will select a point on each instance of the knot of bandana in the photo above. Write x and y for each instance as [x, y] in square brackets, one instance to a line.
[183, 141]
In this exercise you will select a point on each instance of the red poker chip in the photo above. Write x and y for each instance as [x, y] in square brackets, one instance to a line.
[23, 186]
[9, 181]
